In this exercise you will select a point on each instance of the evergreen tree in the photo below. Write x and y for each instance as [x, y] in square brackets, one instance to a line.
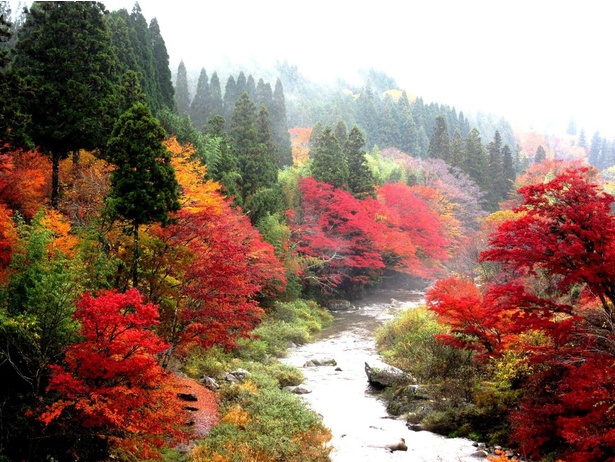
[582, 139]
[388, 130]
[457, 150]
[367, 115]
[279, 127]
[143, 185]
[230, 97]
[221, 161]
[572, 128]
[495, 172]
[360, 178]
[130, 92]
[508, 172]
[182, 95]
[341, 132]
[329, 165]
[317, 131]
[475, 158]
[13, 122]
[440, 143]
[541, 155]
[464, 126]
[241, 84]
[595, 150]
[163, 70]
[422, 141]
[408, 133]
[250, 136]
[141, 43]
[65, 58]
[216, 104]
[264, 95]
[251, 87]
[199, 110]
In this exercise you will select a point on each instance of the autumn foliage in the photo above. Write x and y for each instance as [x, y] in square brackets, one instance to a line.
[216, 263]
[347, 241]
[552, 304]
[111, 382]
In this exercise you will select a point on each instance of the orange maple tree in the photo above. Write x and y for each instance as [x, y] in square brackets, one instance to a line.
[216, 263]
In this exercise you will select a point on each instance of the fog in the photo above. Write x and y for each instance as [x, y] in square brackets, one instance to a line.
[538, 64]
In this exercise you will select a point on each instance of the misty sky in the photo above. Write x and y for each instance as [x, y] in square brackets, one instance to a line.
[533, 61]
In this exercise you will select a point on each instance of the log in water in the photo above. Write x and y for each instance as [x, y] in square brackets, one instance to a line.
[358, 420]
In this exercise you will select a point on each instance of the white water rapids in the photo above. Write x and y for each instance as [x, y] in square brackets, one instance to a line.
[359, 421]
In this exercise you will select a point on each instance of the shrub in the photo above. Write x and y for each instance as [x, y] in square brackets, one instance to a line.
[409, 342]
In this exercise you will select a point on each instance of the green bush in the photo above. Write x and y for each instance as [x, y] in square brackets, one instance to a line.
[286, 323]
[261, 422]
[409, 342]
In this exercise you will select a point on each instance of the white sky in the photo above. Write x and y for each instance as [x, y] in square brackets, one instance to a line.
[536, 61]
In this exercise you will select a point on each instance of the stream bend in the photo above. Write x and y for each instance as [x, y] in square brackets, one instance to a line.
[359, 423]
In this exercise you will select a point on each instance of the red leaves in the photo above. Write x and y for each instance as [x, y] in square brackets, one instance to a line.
[221, 263]
[567, 230]
[355, 239]
[472, 319]
[111, 382]
[554, 301]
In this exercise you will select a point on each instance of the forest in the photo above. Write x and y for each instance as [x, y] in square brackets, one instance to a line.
[154, 232]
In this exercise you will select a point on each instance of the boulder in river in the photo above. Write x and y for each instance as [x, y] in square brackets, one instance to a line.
[386, 377]
[320, 362]
[339, 305]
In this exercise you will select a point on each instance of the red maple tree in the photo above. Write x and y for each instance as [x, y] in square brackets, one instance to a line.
[111, 382]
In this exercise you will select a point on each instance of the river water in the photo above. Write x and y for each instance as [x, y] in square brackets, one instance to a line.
[358, 420]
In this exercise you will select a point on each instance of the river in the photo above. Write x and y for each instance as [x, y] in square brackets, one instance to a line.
[358, 420]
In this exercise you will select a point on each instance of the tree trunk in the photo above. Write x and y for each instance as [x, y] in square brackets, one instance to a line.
[55, 179]
[135, 256]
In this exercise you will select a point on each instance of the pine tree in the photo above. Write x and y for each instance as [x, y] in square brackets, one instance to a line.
[65, 58]
[595, 150]
[241, 84]
[360, 178]
[143, 185]
[279, 127]
[141, 43]
[182, 95]
[475, 159]
[251, 87]
[440, 143]
[408, 133]
[12, 120]
[341, 132]
[256, 163]
[457, 150]
[216, 103]
[163, 70]
[221, 161]
[541, 155]
[264, 95]
[230, 98]
[583, 139]
[388, 131]
[329, 165]
[317, 131]
[508, 173]
[494, 175]
[130, 92]
[367, 115]
[199, 110]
